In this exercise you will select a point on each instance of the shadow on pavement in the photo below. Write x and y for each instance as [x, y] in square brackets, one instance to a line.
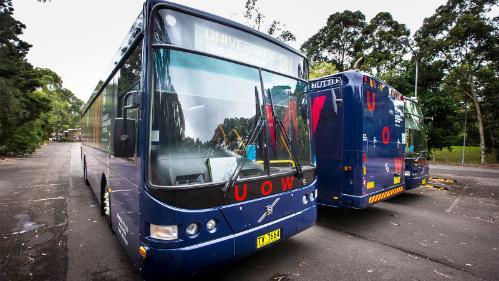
[406, 198]
[349, 220]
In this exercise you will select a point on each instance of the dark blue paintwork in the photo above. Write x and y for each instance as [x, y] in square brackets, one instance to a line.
[351, 133]
[420, 173]
[134, 208]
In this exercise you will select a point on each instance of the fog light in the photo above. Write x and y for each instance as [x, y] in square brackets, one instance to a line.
[407, 173]
[164, 232]
[192, 229]
[304, 199]
[211, 224]
[311, 197]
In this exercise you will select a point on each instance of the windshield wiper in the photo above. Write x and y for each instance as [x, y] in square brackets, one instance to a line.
[260, 123]
[254, 134]
[299, 172]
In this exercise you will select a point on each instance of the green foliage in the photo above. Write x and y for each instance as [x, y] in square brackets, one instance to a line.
[320, 69]
[34, 103]
[339, 41]
[454, 154]
[458, 57]
[381, 47]
[462, 39]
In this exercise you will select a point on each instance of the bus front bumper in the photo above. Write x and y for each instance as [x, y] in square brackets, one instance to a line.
[162, 263]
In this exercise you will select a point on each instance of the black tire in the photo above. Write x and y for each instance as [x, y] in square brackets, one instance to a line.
[85, 175]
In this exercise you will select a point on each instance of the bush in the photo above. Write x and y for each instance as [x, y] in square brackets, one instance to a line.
[24, 139]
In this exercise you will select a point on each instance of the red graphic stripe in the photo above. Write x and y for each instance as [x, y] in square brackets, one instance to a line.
[317, 106]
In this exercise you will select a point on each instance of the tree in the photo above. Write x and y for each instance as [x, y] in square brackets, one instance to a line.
[65, 107]
[20, 104]
[31, 98]
[381, 47]
[255, 19]
[339, 41]
[462, 37]
[320, 69]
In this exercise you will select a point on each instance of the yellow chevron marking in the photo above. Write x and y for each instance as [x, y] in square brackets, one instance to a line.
[385, 194]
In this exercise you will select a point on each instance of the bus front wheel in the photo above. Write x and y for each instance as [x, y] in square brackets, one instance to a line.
[106, 202]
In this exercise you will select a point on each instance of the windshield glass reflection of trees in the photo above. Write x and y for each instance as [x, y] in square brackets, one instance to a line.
[290, 107]
[415, 132]
[203, 109]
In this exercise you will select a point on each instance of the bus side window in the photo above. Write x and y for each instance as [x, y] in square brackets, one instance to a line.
[128, 80]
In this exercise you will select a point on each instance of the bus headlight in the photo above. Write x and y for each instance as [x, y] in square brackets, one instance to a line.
[192, 229]
[316, 193]
[211, 224]
[164, 232]
[311, 197]
[304, 199]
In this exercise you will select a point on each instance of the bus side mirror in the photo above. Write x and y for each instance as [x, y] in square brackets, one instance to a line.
[124, 144]
[124, 130]
[336, 101]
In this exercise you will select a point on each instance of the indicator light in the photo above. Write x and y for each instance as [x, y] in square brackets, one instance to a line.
[143, 252]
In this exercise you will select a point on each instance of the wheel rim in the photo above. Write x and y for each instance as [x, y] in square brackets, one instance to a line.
[107, 203]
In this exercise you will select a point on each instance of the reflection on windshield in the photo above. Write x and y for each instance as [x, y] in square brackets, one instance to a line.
[202, 112]
[416, 142]
[290, 106]
[204, 109]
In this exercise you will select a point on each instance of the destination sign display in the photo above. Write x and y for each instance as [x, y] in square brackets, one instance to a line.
[224, 41]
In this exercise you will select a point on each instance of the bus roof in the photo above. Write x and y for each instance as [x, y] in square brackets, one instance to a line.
[355, 72]
[351, 71]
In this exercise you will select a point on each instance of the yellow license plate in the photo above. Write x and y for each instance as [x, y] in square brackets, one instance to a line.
[396, 180]
[423, 181]
[268, 238]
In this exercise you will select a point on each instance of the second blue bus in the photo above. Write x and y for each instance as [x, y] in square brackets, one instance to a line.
[359, 135]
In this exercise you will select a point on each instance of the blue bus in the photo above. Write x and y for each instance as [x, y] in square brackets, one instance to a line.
[196, 142]
[357, 124]
[417, 168]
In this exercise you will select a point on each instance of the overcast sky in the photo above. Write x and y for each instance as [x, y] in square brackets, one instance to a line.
[78, 38]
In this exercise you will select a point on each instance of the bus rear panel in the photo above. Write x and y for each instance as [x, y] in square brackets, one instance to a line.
[358, 132]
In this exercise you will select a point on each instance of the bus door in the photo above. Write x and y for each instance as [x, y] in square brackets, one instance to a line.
[327, 132]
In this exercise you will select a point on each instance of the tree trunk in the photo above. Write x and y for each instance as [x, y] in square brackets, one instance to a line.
[480, 121]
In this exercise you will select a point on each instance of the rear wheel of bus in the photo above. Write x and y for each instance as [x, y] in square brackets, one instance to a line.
[85, 174]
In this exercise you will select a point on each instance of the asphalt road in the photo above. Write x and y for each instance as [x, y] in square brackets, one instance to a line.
[51, 229]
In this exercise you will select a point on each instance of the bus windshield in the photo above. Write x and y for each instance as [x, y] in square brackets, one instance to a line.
[416, 144]
[207, 99]
[203, 110]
